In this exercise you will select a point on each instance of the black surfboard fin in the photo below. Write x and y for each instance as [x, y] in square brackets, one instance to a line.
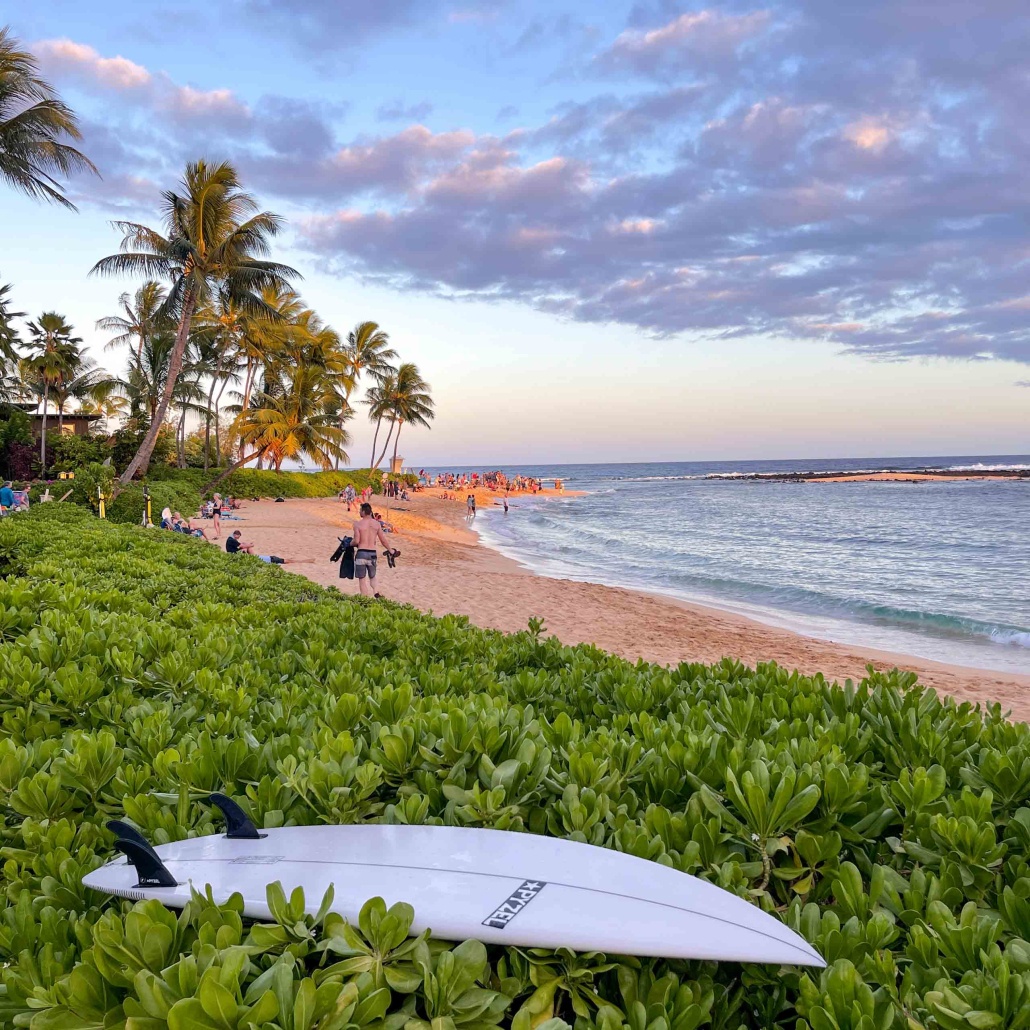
[123, 831]
[151, 871]
[237, 825]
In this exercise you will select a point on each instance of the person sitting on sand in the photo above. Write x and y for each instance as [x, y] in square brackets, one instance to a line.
[181, 525]
[234, 545]
[368, 534]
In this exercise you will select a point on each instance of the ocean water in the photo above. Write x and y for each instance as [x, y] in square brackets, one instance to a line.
[938, 570]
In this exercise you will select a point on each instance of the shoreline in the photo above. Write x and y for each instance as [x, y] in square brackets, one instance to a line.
[446, 568]
[882, 476]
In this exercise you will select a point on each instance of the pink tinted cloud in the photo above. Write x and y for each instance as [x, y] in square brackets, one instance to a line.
[705, 36]
[66, 58]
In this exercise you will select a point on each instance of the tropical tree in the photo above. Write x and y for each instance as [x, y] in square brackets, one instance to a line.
[296, 416]
[82, 378]
[214, 240]
[266, 333]
[377, 397]
[107, 400]
[53, 354]
[9, 339]
[368, 350]
[407, 401]
[146, 375]
[34, 123]
[220, 328]
[143, 313]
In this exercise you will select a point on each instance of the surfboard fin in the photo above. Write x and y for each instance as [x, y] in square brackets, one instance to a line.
[238, 825]
[151, 870]
[123, 831]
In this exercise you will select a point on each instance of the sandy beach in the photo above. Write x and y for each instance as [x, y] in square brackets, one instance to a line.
[444, 569]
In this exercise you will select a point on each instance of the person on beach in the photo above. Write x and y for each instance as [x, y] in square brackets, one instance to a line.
[236, 545]
[216, 515]
[181, 525]
[368, 534]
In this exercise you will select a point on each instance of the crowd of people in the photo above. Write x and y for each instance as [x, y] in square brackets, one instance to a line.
[497, 481]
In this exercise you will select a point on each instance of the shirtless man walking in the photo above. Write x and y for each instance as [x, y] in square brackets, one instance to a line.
[368, 534]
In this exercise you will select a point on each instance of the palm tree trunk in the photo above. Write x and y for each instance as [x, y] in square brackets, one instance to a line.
[372, 456]
[346, 405]
[382, 455]
[42, 435]
[60, 417]
[218, 428]
[141, 462]
[207, 414]
[397, 439]
[232, 468]
[180, 438]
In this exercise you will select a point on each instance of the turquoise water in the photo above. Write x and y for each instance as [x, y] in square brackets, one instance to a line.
[940, 570]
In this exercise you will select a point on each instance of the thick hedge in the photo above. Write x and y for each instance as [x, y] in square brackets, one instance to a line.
[141, 671]
[266, 483]
[182, 489]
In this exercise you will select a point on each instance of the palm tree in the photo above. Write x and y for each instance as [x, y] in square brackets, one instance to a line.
[53, 354]
[9, 339]
[298, 416]
[107, 400]
[377, 398]
[146, 375]
[33, 122]
[221, 329]
[407, 402]
[209, 243]
[368, 350]
[143, 314]
[82, 377]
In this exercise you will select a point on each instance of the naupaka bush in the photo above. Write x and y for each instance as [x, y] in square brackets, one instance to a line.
[141, 671]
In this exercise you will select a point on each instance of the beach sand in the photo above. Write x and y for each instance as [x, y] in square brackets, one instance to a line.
[444, 569]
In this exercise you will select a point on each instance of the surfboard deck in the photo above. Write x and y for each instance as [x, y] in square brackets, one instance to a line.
[495, 886]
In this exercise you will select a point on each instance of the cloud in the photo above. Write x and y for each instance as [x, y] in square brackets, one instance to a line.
[396, 111]
[66, 60]
[687, 41]
[83, 64]
[845, 173]
[329, 25]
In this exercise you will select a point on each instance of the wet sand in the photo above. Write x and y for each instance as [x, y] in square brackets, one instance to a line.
[444, 569]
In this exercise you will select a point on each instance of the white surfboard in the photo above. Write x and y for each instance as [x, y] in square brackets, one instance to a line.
[495, 886]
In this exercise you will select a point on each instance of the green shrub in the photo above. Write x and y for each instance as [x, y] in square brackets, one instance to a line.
[265, 483]
[141, 670]
[72, 452]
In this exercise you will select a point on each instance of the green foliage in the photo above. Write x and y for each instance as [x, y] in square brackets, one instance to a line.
[15, 425]
[888, 826]
[72, 452]
[266, 483]
[90, 481]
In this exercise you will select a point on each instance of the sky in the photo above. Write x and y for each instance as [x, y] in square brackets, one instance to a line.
[608, 231]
